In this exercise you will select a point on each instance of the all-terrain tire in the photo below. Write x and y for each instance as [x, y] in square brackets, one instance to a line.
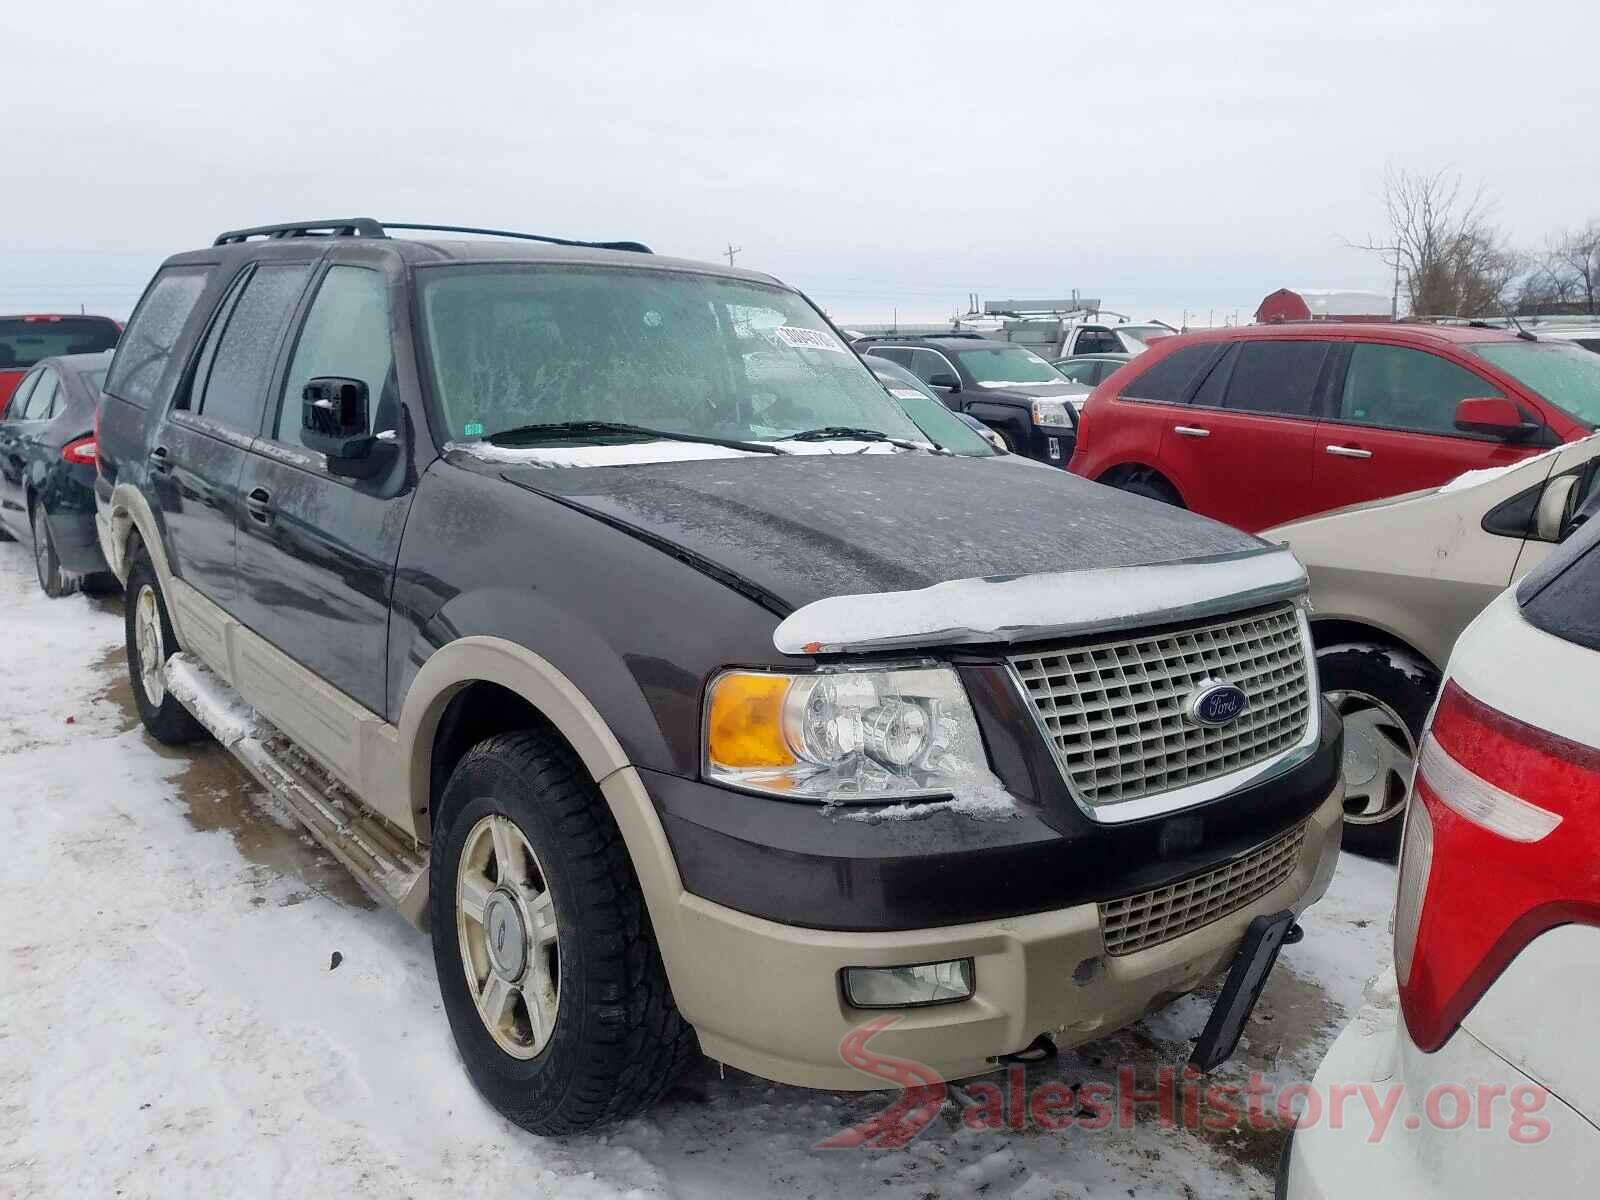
[1383, 694]
[164, 718]
[617, 1041]
[54, 581]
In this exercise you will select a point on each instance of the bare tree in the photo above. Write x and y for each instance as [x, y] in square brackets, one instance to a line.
[1445, 252]
[1577, 255]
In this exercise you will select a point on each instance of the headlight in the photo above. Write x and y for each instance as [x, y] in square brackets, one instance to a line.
[842, 736]
[1051, 412]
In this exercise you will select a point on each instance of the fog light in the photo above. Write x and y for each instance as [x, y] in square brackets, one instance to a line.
[904, 987]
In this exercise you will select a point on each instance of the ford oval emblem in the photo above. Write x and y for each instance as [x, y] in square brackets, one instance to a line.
[1215, 703]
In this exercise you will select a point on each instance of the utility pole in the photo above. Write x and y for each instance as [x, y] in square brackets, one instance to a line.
[731, 251]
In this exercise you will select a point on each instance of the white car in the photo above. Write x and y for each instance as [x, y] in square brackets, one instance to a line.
[1476, 1071]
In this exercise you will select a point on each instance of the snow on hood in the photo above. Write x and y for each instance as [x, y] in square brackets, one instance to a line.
[623, 454]
[1036, 606]
[801, 529]
[1468, 479]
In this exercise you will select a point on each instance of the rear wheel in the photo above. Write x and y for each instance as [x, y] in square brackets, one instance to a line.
[151, 642]
[55, 581]
[548, 968]
[1383, 696]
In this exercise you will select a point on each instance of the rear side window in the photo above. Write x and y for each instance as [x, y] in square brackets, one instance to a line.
[42, 403]
[26, 340]
[19, 398]
[1394, 387]
[1559, 595]
[1167, 380]
[153, 331]
[233, 387]
[1276, 377]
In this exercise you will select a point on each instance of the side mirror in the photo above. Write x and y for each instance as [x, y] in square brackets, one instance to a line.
[334, 420]
[1551, 518]
[944, 380]
[1494, 416]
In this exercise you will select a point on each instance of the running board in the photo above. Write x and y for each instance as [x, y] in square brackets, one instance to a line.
[387, 864]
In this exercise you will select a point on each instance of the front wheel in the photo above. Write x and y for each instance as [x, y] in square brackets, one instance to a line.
[151, 642]
[1383, 696]
[547, 964]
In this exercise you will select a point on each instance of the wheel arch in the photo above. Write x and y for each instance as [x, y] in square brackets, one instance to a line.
[1126, 471]
[1327, 632]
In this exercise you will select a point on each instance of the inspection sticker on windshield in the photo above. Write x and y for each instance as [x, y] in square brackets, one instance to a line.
[808, 339]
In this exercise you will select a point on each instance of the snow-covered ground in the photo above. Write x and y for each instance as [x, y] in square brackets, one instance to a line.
[170, 1024]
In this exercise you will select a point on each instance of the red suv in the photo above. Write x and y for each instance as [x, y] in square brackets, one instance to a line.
[1262, 425]
[25, 340]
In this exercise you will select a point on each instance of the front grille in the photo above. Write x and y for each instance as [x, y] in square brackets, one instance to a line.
[1138, 922]
[1114, 711]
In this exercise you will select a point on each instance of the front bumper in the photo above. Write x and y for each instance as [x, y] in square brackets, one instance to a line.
[764, 996]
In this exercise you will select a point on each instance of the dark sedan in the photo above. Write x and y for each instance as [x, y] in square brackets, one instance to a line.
[47, 468]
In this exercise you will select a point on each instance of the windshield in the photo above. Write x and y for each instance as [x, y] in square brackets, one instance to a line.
[1008, 364]
[678, 352]
[25, 340]
[1560, 372]
[939, 423]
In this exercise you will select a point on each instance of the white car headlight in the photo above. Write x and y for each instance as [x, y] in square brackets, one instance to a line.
[1051, 412]
[842, 736]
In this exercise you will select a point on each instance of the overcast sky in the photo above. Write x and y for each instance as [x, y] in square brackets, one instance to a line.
[1161, 156]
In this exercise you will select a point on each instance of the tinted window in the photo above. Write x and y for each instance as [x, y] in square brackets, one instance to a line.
[235, 386]
[1213, 390]
[346, 333]
[1096, 341]
[895, 354]
[1398, 388]
[1167, 380]
[153, 331]
[26, 340]
[925, 364]
[1559, 595]
[1276, 377]
[43, 400]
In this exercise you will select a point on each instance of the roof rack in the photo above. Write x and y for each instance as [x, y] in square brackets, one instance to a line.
[911, 336]
[369, 228]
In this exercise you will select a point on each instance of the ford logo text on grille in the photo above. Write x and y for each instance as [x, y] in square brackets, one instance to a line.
[1214, 703]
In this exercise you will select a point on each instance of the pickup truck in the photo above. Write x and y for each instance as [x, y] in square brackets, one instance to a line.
[604, 614]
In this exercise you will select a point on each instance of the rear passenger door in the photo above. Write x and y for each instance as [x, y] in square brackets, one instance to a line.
[15, 432]
[199, 450]
[1242, 453]
[317, 553]
[1391, 426]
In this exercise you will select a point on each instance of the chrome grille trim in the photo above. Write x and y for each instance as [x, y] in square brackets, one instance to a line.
[1112, 711]
[1139, 922]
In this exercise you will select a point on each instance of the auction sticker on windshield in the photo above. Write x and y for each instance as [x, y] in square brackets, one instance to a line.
[808, 339]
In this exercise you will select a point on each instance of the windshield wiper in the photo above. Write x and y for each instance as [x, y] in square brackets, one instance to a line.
[832, 433]
[553, 430]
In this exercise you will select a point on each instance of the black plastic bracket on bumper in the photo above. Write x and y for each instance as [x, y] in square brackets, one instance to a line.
[1240, 991]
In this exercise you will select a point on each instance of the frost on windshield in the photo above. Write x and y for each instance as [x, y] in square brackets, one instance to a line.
[680, 352]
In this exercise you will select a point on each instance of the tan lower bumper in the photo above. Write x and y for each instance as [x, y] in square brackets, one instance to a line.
[765, 997]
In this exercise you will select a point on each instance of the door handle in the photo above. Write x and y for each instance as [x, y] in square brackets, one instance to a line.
[160, 460]
[259, 505]
[1349, 451]
[1194, 431]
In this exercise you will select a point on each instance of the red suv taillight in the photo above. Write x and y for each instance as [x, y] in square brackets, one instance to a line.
[84, 451]
[1502, 843]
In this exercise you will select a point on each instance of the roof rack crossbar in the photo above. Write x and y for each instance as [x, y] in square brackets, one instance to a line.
[339, 227]
[369, 228]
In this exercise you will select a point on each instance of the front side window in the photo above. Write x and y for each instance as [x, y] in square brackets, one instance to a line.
[1167, 380]
[24, 341]
[346, 334]
[925, 364]
[1276, 377]
[1562, 373]
[152, 333]
[512, 347]
[1000, 365]
[42, 403]
[234, 387]
[1394, 387]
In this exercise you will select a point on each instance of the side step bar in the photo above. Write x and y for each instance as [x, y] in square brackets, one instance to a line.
[387, 864]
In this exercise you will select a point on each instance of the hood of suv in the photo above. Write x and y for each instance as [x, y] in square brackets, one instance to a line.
[803, 529]
[1065, 390]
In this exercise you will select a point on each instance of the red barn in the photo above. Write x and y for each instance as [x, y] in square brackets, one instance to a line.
[1318, 304]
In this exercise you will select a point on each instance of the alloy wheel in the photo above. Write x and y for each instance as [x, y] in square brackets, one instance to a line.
[151, 646]
[1379, 758]
[506, 920]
